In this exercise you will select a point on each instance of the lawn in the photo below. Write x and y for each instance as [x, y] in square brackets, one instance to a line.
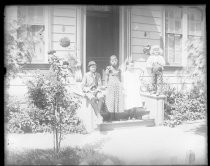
[67, 156]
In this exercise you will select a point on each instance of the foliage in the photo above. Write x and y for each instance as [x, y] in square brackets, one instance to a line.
[184, 106]
[64, 42]
[67, 156]
[192, 104]
[18, 48]
[57, 107]
[197, 61]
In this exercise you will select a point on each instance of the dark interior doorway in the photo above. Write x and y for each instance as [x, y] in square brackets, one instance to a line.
[102, 36]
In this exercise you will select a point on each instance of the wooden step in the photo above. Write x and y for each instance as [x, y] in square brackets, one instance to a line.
[135, 113]
[124, 124]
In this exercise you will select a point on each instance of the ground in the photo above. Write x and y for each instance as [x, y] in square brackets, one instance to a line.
[136, 145]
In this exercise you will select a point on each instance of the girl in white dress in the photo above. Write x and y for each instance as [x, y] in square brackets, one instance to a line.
[131, 88]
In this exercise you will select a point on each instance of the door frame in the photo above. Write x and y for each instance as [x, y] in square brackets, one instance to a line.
[124, 35]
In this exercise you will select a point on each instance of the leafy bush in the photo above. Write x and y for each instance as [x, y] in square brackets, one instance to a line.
[67, 156]
[184, 106]
[49, 105]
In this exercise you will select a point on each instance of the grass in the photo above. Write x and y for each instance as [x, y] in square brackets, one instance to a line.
[67, 156]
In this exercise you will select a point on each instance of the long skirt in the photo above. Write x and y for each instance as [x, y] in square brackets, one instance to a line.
[88, 117]
[114, 98]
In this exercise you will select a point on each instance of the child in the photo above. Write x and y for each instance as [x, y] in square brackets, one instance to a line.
[156, 62]
[131, 88]
[92, 87]
[114, 88]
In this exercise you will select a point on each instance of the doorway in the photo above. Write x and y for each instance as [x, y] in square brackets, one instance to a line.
[102, 37]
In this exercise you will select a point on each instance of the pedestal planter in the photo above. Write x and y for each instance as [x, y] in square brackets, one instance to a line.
[155, 105]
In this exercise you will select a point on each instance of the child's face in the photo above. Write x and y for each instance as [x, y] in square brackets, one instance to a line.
[156, 51]
[113, 61]
[93, 68]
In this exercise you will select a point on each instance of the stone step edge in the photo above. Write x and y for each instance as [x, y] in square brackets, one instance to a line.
[118, 125]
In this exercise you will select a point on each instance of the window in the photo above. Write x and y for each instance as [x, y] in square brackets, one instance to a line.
[173, 36]
[195, 19]
[34, 17]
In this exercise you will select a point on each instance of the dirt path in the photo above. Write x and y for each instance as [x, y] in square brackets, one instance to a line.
[140, 145]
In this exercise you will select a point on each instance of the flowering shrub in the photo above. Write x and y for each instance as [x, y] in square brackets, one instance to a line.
[57, 107]
[188, 106]
[50, 105]
[48, 94]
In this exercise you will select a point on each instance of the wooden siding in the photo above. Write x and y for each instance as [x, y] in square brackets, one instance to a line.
[64, 24]
[146, 27]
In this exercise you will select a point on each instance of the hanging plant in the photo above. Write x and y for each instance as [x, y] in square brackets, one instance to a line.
[146, 49]
[65, 42]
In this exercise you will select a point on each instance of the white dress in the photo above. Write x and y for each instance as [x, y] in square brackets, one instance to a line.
[86, 113]
[131, 90]
[88, 117]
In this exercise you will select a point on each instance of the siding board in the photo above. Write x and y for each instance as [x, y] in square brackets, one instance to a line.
[65, 54]
[57, 37]
[144, 42]
[154, 8]
[64, 20]
[56, 46]
[64, 12]
[147, 20]
[67, 29]
[146, 12]
[137, 49]
[65, 7]
[145, 27]
[149, 35]
[139, 57]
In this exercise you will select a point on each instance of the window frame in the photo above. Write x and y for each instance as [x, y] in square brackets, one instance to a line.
[174, 65]
[202, 22]
[185, 34]
[34, 63]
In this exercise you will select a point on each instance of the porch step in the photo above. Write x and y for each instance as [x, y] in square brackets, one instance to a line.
[124, 124]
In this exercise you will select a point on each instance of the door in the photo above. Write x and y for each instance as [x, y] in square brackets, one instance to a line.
[102, 37]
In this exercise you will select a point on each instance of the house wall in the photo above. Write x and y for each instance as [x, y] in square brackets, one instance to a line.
[64, 24]
[147, 28]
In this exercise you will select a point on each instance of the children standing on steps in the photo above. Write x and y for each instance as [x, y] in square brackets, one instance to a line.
[155, 63]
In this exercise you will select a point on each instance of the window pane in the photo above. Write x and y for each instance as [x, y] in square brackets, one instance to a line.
[34, 20]
[191, 28]
[22, 13]
[171, 13]
[171, 27]
[38, 35]
[178, 13]
[35, 15]
[166, 26]
[171, 45]
[178, 27]
[173, 35]
[178, 48]
[194, 22]
[198, 29]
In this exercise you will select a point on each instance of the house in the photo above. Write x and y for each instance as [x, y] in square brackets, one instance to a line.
[97, 32]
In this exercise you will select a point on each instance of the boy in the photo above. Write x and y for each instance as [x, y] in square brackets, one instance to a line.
[156, 62]
[92, 87]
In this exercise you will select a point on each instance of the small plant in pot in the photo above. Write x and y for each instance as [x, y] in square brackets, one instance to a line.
[65, 42]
